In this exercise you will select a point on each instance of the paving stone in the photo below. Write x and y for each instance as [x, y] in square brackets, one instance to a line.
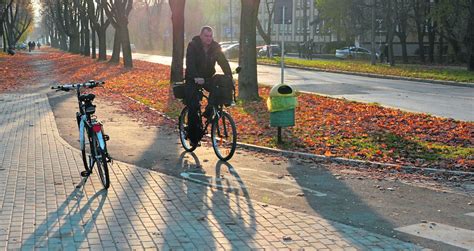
[142, 209]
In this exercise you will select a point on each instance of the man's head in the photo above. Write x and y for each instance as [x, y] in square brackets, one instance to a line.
[206, 35]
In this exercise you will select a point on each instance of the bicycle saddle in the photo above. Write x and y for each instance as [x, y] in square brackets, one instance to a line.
[87, 97]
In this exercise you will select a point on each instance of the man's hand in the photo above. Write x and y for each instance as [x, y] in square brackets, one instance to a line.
[199, 81]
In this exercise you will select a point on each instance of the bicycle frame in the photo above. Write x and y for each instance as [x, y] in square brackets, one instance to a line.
[86, 122]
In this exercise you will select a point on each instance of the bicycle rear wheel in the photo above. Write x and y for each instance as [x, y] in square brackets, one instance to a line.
[183, 131]
[101, 162]
[224, 136]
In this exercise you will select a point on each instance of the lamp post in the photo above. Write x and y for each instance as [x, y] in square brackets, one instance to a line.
[372, 35]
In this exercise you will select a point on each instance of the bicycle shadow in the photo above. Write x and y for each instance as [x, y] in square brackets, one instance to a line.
[71, 222]
[217, 205]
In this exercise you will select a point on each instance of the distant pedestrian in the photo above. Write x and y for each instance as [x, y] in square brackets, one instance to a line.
[39, 45]
[33, 44]
[30, 45]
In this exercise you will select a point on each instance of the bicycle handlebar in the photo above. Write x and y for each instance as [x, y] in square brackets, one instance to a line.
[73, 86]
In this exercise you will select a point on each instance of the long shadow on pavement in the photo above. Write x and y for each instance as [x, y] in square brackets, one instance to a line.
[70, 223]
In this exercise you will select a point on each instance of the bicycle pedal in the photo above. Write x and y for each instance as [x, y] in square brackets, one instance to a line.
[85, 173]
[106, 137]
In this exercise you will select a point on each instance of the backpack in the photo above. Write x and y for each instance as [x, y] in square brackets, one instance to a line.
[222, 90]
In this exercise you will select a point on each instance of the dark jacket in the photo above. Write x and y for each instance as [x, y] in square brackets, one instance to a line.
[200, 65]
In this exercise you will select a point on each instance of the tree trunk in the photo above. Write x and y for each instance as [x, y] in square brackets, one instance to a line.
[82, 43]
[266, 38]
[87, 42]
[101, 35]
[3, 38]
[421, 44]
[115, 59]
[248, 84]
[441, 50]
[470, 38]
[456, 49]
[420, 15]
[177, 18]
[63, 42]
[94, 49]
[390, 32]
[126, 48]
[431, 42]
[403, 42]
[75, 43]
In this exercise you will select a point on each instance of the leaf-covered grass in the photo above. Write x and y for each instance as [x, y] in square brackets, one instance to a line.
[412, 71]
[326, 126]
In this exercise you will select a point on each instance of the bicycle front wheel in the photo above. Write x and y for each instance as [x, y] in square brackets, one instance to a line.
[183, 131]
[101, 163]
[224, 136]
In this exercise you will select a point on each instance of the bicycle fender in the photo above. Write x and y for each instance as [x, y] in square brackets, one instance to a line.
[81, 132]
[100, 137]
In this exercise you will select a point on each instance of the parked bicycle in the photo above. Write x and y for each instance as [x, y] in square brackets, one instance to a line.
[223, 129]
[93, 141]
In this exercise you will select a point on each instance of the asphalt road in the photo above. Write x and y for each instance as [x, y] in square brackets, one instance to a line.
[438, 100]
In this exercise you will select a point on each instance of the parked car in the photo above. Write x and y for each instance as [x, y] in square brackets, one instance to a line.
[230, 51]
[227, 43]
[21, 46]
[354, 52]
[263, 52]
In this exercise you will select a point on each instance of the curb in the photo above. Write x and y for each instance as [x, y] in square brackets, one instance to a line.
[338, 160]
[371, 75]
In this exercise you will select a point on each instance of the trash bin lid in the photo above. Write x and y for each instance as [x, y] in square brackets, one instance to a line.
[282, 90]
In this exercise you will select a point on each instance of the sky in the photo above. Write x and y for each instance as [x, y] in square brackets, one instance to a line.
[36, 7]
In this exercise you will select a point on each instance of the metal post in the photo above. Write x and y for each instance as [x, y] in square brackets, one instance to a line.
[279, 140]
[372, 35]
[282, 61]
[231, 21]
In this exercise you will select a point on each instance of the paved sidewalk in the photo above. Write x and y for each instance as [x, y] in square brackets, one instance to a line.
[42, 206]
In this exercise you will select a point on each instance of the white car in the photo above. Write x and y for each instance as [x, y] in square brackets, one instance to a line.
[354, 52]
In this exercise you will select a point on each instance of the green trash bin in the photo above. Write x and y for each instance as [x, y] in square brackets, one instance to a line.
[281, 104]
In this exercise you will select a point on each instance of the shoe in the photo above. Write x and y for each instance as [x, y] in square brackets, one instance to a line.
[195, 144]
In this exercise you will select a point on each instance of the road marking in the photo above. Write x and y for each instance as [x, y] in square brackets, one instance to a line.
[470, 214]
[454, 236]
[266, 177]
[211, 181]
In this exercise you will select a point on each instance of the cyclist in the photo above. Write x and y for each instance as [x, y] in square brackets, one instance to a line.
[201, 57]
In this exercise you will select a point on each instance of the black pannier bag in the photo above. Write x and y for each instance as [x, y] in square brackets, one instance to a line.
[222, 90]
[178, 90]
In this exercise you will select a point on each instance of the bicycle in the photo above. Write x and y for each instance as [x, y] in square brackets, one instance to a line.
[90, 127]
[223, 129]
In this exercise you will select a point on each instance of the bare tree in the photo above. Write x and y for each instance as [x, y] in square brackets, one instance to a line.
[17, 20]
[248, 84]
[402, 8]
[177, 18]
[420, 15]
[470, 37]
[4, 6]
[117, 11]
[99, 23]
[267, 34]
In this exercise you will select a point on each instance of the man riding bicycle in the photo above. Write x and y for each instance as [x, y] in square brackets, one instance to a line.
[201, 57]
